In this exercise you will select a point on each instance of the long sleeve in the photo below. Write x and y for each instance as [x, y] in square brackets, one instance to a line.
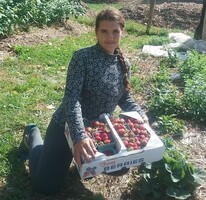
[94, 86]
[72, 98]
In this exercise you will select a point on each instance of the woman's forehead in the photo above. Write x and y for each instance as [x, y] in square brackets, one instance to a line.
[107, 24]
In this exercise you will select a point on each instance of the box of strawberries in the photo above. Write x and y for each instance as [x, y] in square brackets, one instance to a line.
[121, 142]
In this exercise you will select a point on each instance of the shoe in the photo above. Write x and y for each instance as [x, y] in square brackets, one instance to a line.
[24, 145]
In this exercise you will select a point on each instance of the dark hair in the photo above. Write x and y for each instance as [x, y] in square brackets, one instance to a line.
[116, 16]
[110, 15]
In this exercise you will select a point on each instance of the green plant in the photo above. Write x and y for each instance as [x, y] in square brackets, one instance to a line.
[171, 60]
[165, 101]
[21, 15]
[60, 10]
[173, 176]
[168, 124]
[195, 96]
[194, 63]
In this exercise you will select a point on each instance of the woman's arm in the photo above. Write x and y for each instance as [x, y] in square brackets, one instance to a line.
[83, 146]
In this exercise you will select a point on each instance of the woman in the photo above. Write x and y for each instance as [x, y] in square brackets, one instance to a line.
[97, 82]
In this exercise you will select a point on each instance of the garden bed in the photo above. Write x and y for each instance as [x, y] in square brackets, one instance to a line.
[186, 17]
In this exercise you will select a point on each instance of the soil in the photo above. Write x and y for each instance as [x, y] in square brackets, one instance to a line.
[184, 16]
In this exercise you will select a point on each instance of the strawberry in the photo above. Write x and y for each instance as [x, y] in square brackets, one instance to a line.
[107, 141]
[98, 138]
[136, 121]
[88, 129]
[95, 124]
[131, 125]
[144, 142]
[96, 134]
[141, 127]
[121, 131]
[104, 137]
[126, 143]
[136, 125]
[142, 136]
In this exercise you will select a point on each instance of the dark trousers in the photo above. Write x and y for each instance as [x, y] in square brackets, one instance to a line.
[49, 161]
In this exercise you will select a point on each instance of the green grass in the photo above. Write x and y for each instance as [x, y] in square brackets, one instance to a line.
[33, 82]
[98, 7]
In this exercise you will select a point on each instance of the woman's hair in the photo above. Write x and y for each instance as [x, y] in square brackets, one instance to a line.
[115, 16]
[110, 15]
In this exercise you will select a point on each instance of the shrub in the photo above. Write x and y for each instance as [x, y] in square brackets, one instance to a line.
[194, 63]
[23, 14]
[195, 96]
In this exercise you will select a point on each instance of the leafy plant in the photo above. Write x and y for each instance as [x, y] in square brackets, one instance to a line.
[195, 96]
[168, 124]
[60, 10]
[173, 176]
[21, 15]
[171, 60]
[194, 63]
[165, 101]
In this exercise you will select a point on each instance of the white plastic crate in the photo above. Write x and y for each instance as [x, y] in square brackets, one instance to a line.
[153, 151]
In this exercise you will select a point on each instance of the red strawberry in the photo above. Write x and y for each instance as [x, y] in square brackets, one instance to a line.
[121, 131]
[101, 124]
[88, 129]
[107, 141]
[126, 143]
[96, 134]
[131, 125]
[141, 127]
[104, 136]
[98, 138]
[95, 124]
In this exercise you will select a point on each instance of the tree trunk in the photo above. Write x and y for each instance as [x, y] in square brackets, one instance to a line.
[199, 29]
[151, 11]
[204, 28]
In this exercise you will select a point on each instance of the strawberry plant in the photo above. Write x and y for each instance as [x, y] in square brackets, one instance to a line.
[194, 63]
[164, 98]
[165, 101]
[173, 176]
[26, 13]
[168, 124]
[195, 96]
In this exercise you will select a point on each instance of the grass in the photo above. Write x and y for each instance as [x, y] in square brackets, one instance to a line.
[32, 86]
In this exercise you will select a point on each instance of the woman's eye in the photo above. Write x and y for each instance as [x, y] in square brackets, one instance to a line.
[104, 31]
[116, 31]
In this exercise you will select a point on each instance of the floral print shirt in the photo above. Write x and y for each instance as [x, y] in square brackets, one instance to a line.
[94, 86]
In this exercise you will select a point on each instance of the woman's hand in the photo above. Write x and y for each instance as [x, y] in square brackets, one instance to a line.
[84, 149]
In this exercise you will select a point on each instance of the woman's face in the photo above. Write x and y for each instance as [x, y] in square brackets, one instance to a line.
[108, 35]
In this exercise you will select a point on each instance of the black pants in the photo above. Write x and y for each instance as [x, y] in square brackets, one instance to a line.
[49, 161]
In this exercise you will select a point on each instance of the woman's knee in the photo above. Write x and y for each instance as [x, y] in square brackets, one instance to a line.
[47, 186]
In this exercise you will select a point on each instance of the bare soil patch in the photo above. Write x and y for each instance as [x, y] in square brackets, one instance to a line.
[184, 16]
[169, 15]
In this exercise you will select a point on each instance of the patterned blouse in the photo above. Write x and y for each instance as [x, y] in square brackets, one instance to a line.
[94, 86]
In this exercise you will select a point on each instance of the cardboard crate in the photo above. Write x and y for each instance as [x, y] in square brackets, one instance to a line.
[122, 158]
